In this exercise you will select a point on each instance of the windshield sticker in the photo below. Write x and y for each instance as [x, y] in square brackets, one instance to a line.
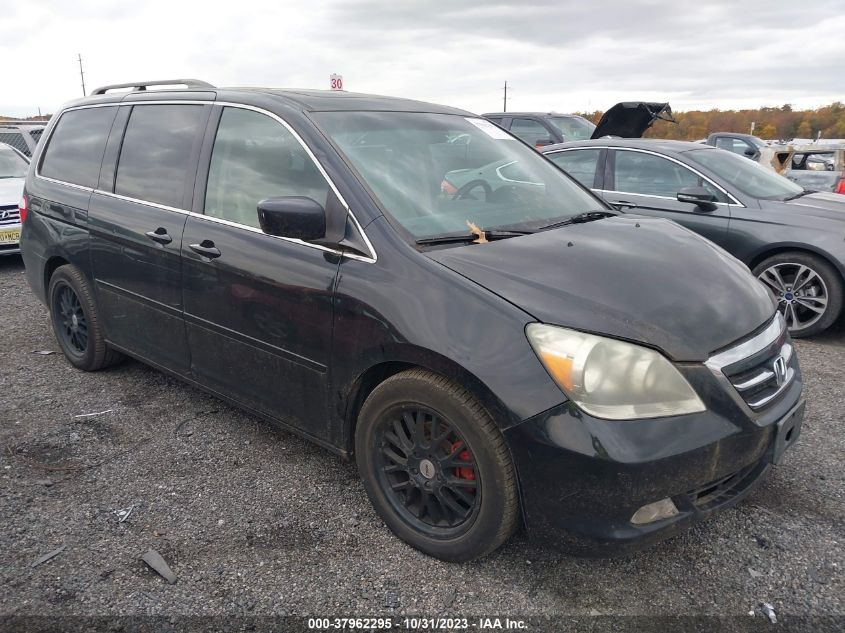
[493, 131]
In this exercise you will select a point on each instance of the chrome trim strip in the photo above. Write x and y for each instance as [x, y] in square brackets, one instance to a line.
[749, 347]
[732, 198]
[762, 402]
[759, 379]
[373, 255]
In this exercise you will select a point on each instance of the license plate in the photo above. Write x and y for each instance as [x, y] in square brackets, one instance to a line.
[10, 236]
[787, 432]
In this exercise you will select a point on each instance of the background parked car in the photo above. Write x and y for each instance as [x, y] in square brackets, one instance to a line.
[22, 135]
[790, 237]
[742, 144]
[13, 168]
[813, 166]
[629, 119]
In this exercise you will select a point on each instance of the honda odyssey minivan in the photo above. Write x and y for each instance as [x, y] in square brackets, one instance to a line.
[508, 351]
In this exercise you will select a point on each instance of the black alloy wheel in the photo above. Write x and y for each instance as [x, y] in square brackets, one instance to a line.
[436, 466]
[428, 470]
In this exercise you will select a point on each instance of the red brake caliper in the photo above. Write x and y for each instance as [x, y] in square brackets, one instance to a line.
[463, 472]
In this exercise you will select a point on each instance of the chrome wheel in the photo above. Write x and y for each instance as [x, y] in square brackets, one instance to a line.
[801, 291]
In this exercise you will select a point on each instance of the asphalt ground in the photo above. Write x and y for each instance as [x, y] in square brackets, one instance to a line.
[255, 521]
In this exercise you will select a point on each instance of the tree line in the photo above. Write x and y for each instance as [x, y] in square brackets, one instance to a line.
[782, 123]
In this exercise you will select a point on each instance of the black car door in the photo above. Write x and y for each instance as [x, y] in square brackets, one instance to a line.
[136, 218]
[258, 308]
[646, 183]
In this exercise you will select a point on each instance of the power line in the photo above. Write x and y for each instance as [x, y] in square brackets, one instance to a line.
[81, 74]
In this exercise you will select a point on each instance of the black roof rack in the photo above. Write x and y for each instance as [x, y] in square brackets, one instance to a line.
[140, 86]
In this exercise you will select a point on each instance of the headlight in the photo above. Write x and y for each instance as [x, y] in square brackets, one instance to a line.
[612, 379]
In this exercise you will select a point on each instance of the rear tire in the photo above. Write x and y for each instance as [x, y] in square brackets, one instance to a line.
[809, 291]
[76, 323]
[436, 467]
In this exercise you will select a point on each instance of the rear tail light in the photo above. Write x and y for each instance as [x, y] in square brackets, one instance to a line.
[448, 188]
[23, 207]
[840, 186]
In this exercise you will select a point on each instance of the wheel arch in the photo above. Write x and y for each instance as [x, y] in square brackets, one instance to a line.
[778, 249]
[50, 267]
[413, 358]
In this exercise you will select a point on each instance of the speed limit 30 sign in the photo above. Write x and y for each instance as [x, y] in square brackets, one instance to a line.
[336, 82]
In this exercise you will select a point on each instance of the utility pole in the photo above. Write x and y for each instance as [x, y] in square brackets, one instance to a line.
[81, 74]
[505, 100]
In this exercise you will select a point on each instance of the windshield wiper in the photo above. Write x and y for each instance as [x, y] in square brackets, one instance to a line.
[794, 196]
[580, 218]
[457, 238]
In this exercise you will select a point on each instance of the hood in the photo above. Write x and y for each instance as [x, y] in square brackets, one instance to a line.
[648, 281]
[10, 191]
[630, 119]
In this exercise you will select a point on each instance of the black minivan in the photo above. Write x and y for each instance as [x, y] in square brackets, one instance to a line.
[507, 351]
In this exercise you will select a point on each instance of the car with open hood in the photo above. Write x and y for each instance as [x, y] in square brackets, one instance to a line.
[628, 119]
[514, 356]
[790, 236]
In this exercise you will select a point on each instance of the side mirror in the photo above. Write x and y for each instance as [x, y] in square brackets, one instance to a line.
[751, 153]
[292, 216]
[699, 196]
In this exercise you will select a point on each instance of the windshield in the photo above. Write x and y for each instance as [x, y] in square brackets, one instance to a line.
[11, 164]
[747, 176]
[434, 173]
[573, 128]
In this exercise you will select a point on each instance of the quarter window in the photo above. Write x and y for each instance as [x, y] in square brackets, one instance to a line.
[76, 146]
[580, 164]
[650, 175]
[156, 152]
[255, 158]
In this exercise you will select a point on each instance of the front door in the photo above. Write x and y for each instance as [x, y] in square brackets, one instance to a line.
[648, 184]
[258, 308]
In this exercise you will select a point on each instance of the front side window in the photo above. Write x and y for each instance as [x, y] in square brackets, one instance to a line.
[76, 146]
[12, 165]
[650, 175]
[156, 152]
[580, 164]
[529, 130]
[432, 186]
[745, 175]
[254, 158]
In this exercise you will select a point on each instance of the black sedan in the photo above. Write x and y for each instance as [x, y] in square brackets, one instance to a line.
[790, 237]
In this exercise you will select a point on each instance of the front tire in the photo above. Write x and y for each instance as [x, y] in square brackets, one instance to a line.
[436, 467]
[76, 323]
[809, 291]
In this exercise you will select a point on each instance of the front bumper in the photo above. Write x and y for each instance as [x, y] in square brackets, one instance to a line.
[582, 479]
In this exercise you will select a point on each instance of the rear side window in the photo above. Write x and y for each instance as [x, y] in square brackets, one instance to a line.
[156, 152]
[255, 157]
[580, 164]
[76, 146]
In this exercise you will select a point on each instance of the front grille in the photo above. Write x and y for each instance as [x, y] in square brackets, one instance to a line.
[9, 215]
[761, 384]
[760, 369]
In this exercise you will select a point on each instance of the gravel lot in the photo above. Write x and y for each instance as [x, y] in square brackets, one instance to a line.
[255, 521]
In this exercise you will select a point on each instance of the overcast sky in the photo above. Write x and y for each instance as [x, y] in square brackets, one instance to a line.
[556, 55]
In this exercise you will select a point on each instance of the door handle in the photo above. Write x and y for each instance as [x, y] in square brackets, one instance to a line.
[159, 235]
[624, 204]
[206, 248]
